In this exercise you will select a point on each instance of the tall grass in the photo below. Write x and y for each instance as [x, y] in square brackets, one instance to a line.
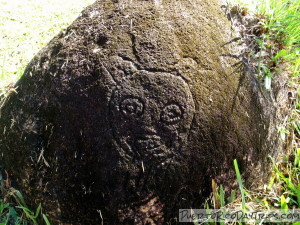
[279, 48]
[14, 210]
[281, 23]
[283, 19]
[240, 183]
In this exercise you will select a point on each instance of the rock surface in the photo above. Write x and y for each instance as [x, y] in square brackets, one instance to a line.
[131, 111]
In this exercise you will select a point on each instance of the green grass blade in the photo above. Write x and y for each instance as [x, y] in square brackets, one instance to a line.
[222, 196]
[38, 210]
[298, 195]
[46, 220]
[240, 183]
[232, 196]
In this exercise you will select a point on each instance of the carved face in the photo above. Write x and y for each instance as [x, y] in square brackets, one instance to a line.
[151, 114]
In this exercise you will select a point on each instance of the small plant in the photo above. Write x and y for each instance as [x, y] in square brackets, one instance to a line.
[240, 183]
[280, 39]
[14, 210]
[291, 188]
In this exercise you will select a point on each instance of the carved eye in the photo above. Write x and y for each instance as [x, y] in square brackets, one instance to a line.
[171, 114]
[132, 107]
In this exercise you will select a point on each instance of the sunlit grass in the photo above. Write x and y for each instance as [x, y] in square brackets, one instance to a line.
[282, 23]
[280, 39]
[28, 25]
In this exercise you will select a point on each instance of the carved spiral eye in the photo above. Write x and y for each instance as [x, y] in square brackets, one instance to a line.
[171, 114]
[132, 107]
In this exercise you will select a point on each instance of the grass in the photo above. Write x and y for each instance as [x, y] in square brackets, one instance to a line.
[277, 52]
[283, 192]
[28, 25]
[240, 183]
[280, 39]
[14, 210]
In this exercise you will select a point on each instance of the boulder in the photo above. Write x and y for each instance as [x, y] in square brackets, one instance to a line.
[128, 114]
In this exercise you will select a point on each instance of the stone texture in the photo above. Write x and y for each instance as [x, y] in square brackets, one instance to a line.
[131, 111]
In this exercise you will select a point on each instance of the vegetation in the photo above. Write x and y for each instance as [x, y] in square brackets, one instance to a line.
[14, 210]
[280, 38]
[27, 26]
[277, 51]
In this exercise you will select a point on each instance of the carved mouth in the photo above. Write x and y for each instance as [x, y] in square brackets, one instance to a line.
[150, 146]
[148, 143]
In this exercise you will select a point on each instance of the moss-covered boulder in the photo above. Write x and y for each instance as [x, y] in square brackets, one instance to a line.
[128, 114]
